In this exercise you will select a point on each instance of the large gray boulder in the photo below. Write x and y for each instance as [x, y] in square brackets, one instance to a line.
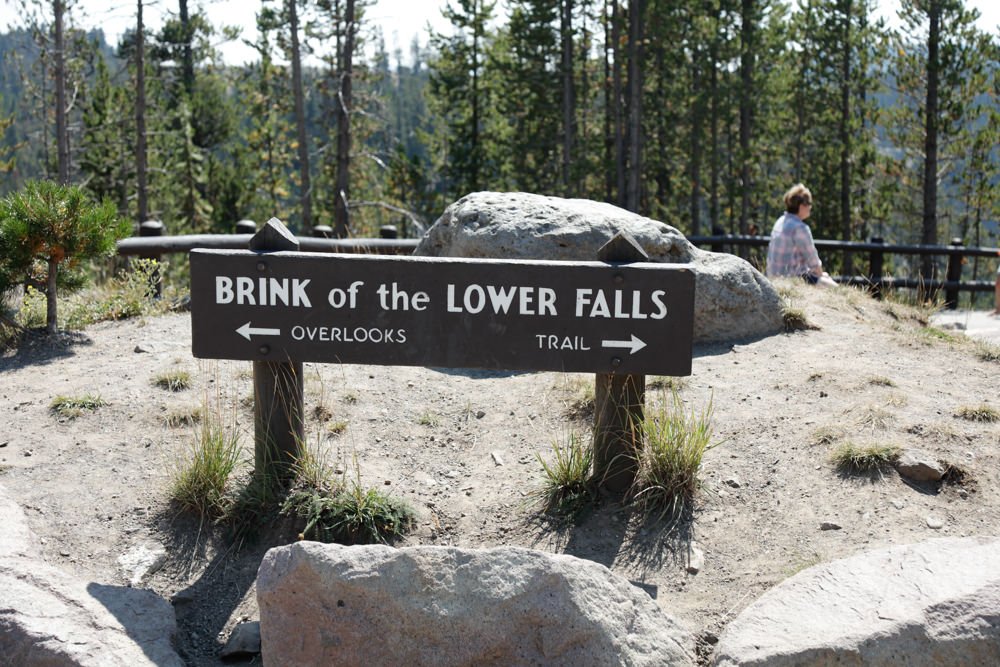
[49, 618]
[326, 604]
[933, 604]
[732, 299]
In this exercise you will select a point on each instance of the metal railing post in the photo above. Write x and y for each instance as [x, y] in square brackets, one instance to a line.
[954, 276]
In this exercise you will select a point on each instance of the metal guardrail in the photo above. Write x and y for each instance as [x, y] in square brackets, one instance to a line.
[877, 249]
[152, 243]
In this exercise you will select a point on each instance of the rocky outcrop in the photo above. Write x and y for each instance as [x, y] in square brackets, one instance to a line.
[933, 604]
[49, 618]
[732, 299]
[374, 605]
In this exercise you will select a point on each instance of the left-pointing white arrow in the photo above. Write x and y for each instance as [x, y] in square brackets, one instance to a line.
[246, 331]
[633, 345]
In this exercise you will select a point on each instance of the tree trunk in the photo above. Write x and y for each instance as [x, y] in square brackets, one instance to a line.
[140, 115]
[187, 65]
[747, 55]
[694, 164]
[305, 185]
[616, 91]
[62, 131]
[929, 230]
[341, 214]
[715, 166]
[636, 14]
[568, 98]
[845, 138]
[474, 139]
[51, 319]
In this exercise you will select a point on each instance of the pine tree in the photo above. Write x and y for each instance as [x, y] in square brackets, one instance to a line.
[460, 96]
[938, 56]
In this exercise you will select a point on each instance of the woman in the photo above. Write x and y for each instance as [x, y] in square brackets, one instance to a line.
[791, 251]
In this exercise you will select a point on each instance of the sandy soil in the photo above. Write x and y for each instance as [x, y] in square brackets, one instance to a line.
[461, 446]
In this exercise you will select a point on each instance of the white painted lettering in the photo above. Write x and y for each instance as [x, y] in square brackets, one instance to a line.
[279, 290]
[600, 308]
[582, 300]
[223, 289]
[637, 313]
[244, 291]
[501, 299]
[474, 292]
[420, 300]
[452, 308]
[546, 301]
[299, 296]
[298, 333]
[661, 308]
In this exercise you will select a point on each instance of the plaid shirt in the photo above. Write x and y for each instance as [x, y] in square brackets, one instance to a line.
[791, 251]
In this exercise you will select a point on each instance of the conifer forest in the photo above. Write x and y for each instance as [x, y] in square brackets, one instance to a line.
[698, 113]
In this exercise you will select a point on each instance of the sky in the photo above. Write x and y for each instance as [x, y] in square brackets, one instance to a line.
[400, 20]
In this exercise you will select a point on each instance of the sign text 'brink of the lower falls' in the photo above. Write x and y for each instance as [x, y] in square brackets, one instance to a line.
[456, 313]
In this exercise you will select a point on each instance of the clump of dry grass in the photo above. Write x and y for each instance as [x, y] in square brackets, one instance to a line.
[978, 413]
[864, 459]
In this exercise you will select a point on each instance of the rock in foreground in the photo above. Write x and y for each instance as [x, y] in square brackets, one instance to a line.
[374, 605]
[732, 299]
[49, 618]
[933, 604]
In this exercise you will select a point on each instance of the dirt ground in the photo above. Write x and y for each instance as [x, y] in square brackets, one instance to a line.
[461, 447]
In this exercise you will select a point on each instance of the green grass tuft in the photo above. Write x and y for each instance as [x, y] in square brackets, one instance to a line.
[568, 486]
[173, 380]
[794, 319]
[675, 444]
[201, 479]
[978, 413]
[987, 351]
[852, 458]
[72, 407]
[428, 419]
[351, 515]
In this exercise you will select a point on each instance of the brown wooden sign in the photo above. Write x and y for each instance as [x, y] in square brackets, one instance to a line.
[455, 313]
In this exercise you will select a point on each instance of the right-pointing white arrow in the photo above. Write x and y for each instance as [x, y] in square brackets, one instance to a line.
[246, 331]
[633, 345]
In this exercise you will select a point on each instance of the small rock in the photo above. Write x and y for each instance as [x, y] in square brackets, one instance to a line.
[142, 560]
[696, 559]
[934, 523]
[182, 597]
[919, 466]
[143, 348]
[480, 414]
[733, 482]
[830, 525]
[496, 458]
[243, 641]
[897, 503]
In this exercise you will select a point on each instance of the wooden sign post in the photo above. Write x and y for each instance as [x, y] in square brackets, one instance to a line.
[278, 394]
[619, 399]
